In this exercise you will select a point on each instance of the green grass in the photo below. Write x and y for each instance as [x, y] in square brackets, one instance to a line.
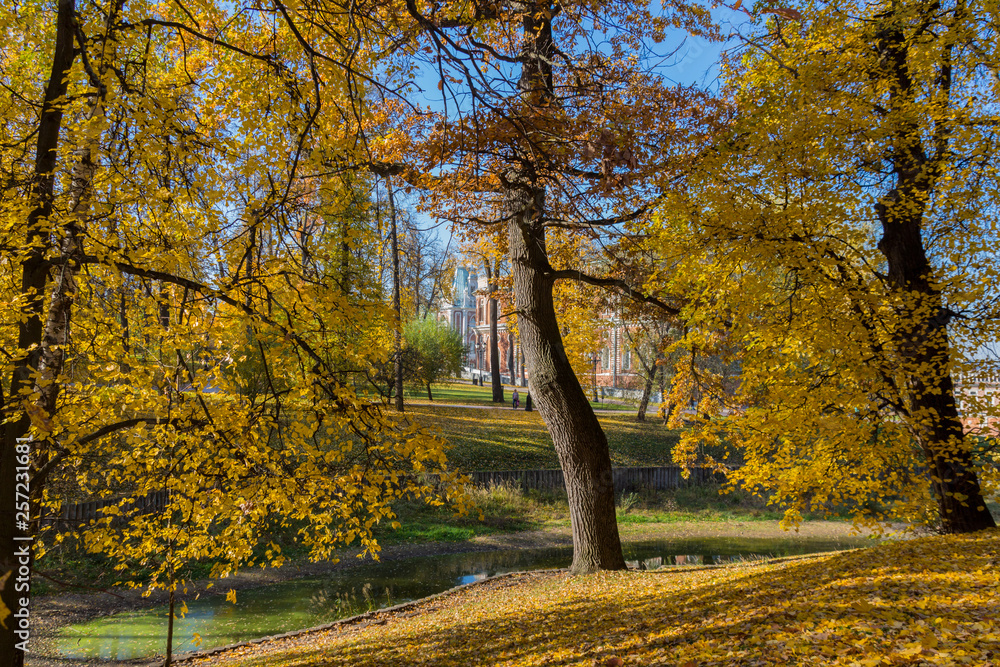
[505, 509]
[511, 440]
[463, 392]
[695, 503]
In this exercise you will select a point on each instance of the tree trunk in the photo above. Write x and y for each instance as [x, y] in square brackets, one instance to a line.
[577, 435]
[34, 280]
[647, 388]
[170, 628]
[921, 331]
[430, 397]
[520, 349]
[497, 385]
[397, 336]
[921, 338]
[510, 359]
[579, 440]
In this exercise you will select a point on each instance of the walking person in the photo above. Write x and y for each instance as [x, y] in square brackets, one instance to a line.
[516, 399]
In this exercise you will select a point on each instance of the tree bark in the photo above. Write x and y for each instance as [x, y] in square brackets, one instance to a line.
[922, 341]
[170, 627]
[34, 281]
[921, 331]
[579, 441]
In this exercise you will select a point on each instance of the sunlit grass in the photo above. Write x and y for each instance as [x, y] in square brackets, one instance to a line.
[514, 439]
[463, 392]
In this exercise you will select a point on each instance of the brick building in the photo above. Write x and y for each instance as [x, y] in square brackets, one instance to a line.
[614, 368]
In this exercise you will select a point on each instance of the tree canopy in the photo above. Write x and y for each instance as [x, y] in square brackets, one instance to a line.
[434, 351]
[852, 213]
[183, 303]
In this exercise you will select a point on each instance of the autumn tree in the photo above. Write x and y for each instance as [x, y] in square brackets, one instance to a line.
[852, 211]
[553, 115]
[166, 214]
[579, 308]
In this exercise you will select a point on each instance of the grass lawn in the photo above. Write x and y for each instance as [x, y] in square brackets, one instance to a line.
[463, 392]
[931, 600]
[514, 439]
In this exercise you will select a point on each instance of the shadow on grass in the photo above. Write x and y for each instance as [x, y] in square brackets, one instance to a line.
[902, 599]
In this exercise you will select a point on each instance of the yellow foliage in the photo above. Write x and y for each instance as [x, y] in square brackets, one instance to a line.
[208, 300]
[786, 260]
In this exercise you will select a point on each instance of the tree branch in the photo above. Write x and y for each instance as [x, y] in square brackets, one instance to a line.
[616, 283]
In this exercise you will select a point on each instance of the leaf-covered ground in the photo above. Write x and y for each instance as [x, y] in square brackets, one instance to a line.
[927, 601]
[514, 439]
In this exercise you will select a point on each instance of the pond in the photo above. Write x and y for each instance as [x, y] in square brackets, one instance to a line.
[303, 603]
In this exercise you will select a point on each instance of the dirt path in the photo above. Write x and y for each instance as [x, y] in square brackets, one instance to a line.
[54, 611]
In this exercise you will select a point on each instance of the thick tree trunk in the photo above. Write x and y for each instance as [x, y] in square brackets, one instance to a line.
[921, 332]
[921, 338]
[579, 440]
[14, 536]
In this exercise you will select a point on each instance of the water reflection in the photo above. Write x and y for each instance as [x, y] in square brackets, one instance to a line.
[308, 602]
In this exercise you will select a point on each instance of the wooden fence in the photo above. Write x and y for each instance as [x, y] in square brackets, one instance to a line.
[82, 513]
[626, 479]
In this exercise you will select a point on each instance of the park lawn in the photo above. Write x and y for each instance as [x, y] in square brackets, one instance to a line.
[931, 600]
[463, 392]
[515, 439]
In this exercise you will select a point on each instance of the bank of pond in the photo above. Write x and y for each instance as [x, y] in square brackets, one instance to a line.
[212, 621]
